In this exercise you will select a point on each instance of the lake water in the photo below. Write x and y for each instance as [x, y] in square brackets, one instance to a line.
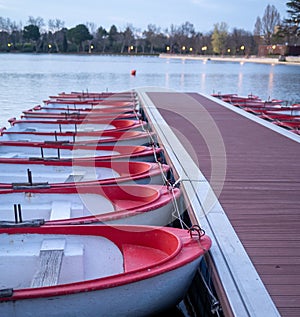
[27, 79]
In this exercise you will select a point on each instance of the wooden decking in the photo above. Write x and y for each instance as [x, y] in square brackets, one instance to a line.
[255, 171]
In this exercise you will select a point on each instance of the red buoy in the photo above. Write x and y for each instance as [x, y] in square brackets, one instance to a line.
[133, 72]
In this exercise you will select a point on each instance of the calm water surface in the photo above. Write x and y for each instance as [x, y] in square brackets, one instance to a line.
[27, 79]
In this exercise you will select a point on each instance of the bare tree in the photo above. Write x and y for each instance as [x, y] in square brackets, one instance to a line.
[258, 27]
[39, 22]
[270, 20]
[54, 27]
[151, 36]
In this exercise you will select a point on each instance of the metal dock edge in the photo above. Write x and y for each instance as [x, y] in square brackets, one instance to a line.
[238, 285]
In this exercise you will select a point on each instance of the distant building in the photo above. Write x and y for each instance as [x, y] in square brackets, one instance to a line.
[279, 49]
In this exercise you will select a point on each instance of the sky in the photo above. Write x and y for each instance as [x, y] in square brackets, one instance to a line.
[203, 14]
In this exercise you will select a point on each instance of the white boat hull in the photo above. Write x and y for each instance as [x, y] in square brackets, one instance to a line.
[115, 153]
[66, 174]
[88, 208]
[143, 139]
[128, 300]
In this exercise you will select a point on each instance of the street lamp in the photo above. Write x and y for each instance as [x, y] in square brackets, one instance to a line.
[243, 48]
[204, 49]
[191, 49]
[168, 48]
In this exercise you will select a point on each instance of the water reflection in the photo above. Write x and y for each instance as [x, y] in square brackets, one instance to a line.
[203, 82]
[271, 80]
[240, 79]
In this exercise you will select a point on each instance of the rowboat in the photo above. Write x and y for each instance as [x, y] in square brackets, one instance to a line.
[235, 98]
[99, 104]
[96, 270]
[73, 125]
[294, 110]
[79, 116]
[40, 173]
[291, 124]
[46, 151]
[112, 98]
[271, 116]
[126, 204]
[84, 95]
[44, 110]
[250, 101]
[81, 137]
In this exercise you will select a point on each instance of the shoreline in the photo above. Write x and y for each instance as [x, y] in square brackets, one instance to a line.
[290, 60]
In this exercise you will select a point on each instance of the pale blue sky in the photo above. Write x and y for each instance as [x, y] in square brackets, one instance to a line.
[203, 14]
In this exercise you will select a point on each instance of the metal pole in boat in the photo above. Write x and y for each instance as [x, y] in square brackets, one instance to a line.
[59, 127]
[16, 214]
[20, 213]
[42, 152]
[29, 175]
[75, 127]
[58, 153]
[55, 136]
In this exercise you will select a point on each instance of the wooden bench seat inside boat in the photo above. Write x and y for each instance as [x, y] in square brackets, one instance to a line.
[51, 256]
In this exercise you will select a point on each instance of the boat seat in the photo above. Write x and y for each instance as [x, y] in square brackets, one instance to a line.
[60, 210]
[72, 178]
[50, 260]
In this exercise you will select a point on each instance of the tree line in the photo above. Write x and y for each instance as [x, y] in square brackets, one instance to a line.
[180, 39]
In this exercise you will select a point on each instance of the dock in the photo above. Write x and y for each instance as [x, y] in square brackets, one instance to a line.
[241, 180]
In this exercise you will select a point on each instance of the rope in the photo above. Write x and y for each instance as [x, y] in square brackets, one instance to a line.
[215, 307]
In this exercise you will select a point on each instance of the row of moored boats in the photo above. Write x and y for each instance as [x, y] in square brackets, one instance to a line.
[277, 111]
[87, 208]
